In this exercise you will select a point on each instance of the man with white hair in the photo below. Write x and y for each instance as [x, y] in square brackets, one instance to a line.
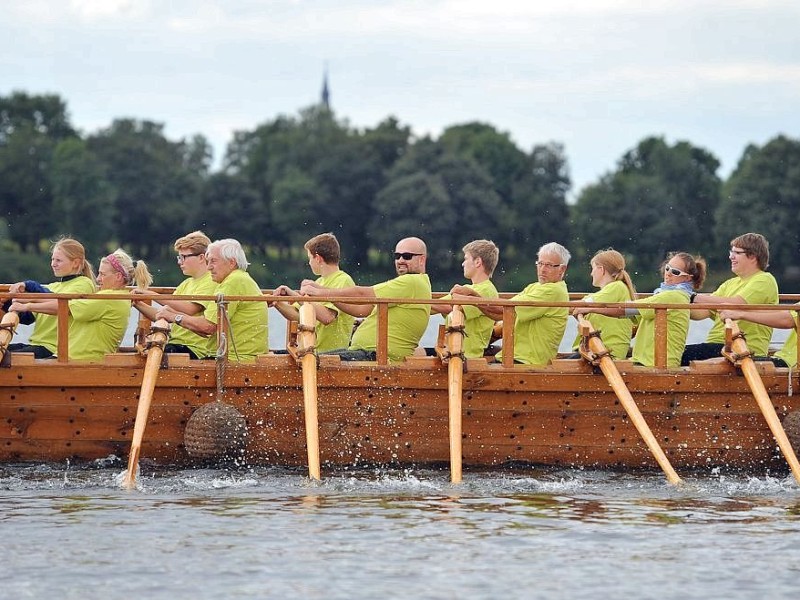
[538, 329]
[247, 319]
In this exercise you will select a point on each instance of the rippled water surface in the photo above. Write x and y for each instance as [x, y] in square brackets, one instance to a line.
[522, 533]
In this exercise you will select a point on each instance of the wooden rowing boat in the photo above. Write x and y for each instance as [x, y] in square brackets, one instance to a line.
[566, 414]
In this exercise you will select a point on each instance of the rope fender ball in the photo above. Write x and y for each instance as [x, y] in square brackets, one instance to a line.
[216, 431]
[791, 424]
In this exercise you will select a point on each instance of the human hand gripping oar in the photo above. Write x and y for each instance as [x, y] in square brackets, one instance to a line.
[7, 329]
[737, 352]
[307, 338]
[599, 355]
[455, 379]
[159, 333]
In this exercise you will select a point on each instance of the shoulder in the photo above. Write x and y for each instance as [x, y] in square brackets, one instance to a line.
[485, 288]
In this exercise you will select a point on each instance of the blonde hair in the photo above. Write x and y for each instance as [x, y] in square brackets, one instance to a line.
[74, 250]
[487, 251]
[132, 272]
[196, 242]
[614, 263]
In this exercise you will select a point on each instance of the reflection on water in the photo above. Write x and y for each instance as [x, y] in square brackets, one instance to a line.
[522, 533]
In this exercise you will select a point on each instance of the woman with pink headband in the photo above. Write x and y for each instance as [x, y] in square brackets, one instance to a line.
[99, 325]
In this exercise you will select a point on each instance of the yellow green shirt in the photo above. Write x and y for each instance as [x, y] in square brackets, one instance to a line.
[248, 320]
[202, 347]
[477, 326]
[407, 322]
[615, 333]
[789, 351]
[538, 329]
[677, 329]
[335, 334]
[45, 331]
[98, 326]
[760, 288]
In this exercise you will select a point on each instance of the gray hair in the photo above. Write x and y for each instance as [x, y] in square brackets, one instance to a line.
[230, 249]
[556, 248]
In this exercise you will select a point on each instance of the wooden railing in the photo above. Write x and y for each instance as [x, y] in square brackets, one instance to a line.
[382, 353]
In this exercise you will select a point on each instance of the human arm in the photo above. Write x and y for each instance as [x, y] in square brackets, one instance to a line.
[323, 314]
[313, 289]
[45, 307]
[463, 292]
[618, 312]
[782, 319]
[195, 323]
[698, 313]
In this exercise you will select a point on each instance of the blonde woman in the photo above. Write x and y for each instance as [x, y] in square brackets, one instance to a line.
[98, 326]
[683, 276]
[74, 275]
[609, 274]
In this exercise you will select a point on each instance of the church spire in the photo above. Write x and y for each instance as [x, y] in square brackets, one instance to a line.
[326, 95]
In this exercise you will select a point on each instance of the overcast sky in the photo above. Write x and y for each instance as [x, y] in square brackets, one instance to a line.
[595, 75]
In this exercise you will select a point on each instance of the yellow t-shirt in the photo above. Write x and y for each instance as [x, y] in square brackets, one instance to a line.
[248, 320]
[202, 347]
[336, 334]
[677, 329]
[760, 288]
[407, 322]
[538, 329]
[98, 326]
[45, 331]
[477, 326]
[615, 333]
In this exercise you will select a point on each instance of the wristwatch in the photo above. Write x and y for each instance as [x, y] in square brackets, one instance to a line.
[178, 319]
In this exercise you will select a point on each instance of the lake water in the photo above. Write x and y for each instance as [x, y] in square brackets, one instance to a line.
[519, 533]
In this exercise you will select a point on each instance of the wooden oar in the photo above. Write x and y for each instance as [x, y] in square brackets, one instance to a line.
[307, 339]
[737, 352]
[7, 328]
[159, 333]
[455, 379]
[609, 369]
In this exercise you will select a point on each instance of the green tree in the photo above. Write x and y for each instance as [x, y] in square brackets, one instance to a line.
[763, 195]
[83, 199]
[30, 128]
[230, 207]
[660, 198]
[445, 199]
[157, 182]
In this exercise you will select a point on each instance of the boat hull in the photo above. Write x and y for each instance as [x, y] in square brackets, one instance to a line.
[563, 415]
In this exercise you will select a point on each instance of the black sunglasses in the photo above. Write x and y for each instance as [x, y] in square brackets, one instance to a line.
[405, 255]
[183, 257]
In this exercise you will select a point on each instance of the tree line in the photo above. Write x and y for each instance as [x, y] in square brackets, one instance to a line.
[295, 176]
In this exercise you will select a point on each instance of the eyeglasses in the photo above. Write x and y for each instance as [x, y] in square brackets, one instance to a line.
[733, 253]
[539, 263]
[183, 257]
[674, 271]
[406, 255]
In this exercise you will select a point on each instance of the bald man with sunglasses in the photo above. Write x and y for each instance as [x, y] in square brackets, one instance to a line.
[407, 322]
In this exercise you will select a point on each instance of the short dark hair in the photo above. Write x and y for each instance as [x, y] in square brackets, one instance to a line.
[325, 245]
[756, 245]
